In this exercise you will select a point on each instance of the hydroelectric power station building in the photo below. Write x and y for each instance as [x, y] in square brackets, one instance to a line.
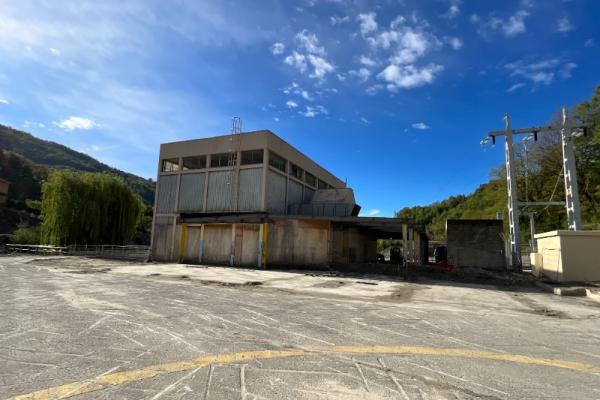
[251, 199]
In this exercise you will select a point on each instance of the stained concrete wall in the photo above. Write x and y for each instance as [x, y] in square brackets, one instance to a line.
[351, 245]
[298, 243]
[476, 243]
[568, 256]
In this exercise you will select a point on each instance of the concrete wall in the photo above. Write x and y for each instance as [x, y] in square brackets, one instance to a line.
[351, 245]
[568, 256]
[298, 243]
[476, 243]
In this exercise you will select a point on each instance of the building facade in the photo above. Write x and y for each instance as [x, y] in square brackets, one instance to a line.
[253, 199]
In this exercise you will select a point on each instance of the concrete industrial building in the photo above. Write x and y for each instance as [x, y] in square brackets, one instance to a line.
[252, 199]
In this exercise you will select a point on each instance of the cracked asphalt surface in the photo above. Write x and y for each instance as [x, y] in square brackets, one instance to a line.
[75, 321]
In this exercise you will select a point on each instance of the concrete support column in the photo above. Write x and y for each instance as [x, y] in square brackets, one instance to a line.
[232, 254]
[201, 246]
[261, 261]
[182, 242]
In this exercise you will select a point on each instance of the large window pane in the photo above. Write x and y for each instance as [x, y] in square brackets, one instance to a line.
[252, 157]
[296, 171]
[195, 162]
[170, 165]
[311, 179]
[222, 160]
[277, 161]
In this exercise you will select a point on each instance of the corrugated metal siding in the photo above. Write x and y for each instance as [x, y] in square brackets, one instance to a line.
[219, 191]
[276, 192]
[308, 194]
[167, 189]
[191, 192]
[161, 244]
[250, 189]
[294, 192]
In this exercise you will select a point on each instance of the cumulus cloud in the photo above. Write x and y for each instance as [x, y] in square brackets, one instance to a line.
[277, 48]
[73, 123]
[564, 25]
[510, 27]
[309, 53]
[367, 23]
[453, 9]
[291, 104]
[321, 66]
[335, 20]
[362, 74]
[296, 89]
[367, 62]
[454, 42]
[296, 60]
[408, 76]
[542, 72]
[421, 126]
[54, 51]
[4, 101]
[309, 42]
[313, 111]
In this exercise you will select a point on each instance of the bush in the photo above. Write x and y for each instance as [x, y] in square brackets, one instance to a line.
[26, 235]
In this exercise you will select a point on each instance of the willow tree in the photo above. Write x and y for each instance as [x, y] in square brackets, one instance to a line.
[88, 208]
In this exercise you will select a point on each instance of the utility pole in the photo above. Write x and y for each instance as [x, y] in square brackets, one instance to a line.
[513, 201]
[567, 131]
[570, 174]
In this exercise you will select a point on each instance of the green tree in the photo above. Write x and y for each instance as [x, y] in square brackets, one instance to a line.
[88, 208]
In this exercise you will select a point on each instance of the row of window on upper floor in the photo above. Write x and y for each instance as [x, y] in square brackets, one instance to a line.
[248, 157]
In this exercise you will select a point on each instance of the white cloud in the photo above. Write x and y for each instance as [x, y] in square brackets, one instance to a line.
[4, 101]
[54, 51]
[309, 42]
[408, 76]
[33, 125]
[564, 25]
[542, 72]
[455, 43]
[362, 74]
[296, 60]
[335, 20]
[421, 126]
[510, 27]
[453, 9]
[277, 48]
[364, 120]
[371, 213]
[291, 104]
[276, 119]
[296, 89]
[514, 87]
[73, 123]
[367, 23]
[321, 66]
[311, 112]
[368, 62]
[589, 43]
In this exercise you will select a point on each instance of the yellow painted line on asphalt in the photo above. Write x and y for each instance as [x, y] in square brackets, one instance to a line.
[119, 378]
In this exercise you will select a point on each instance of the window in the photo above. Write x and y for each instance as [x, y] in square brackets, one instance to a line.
[322, 185]
[222, 160]
[196, 162]
[311, 179]
[170, 165]
[277, 162]
[296, 171]
[252, 157]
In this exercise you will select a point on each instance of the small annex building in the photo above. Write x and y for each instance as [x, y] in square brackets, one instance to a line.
[251, 199]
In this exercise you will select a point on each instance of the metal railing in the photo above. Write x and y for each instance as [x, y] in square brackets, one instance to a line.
[95, 251]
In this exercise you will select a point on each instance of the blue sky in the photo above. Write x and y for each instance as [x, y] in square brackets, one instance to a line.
[392, 96]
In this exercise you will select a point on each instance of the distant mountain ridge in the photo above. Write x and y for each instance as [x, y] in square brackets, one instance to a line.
[56, 156]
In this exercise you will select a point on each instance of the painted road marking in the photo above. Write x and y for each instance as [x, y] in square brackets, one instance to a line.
[119, 378]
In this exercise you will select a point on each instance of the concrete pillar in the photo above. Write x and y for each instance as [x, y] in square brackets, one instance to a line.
[232, 254]
[201, 246]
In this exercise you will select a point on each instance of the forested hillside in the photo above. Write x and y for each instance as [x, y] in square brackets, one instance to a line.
[42, 153]
[545, 182]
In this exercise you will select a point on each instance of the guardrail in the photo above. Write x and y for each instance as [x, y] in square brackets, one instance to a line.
[95, 251]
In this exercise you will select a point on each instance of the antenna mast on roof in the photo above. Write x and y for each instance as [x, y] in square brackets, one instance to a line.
[233, 160]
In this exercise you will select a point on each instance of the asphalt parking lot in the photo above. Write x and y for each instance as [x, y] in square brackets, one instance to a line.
[94, 329]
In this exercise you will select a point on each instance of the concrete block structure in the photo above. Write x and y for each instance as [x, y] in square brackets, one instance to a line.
[252, 199]
[475, 243]
[568, 256]
[4, 185]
